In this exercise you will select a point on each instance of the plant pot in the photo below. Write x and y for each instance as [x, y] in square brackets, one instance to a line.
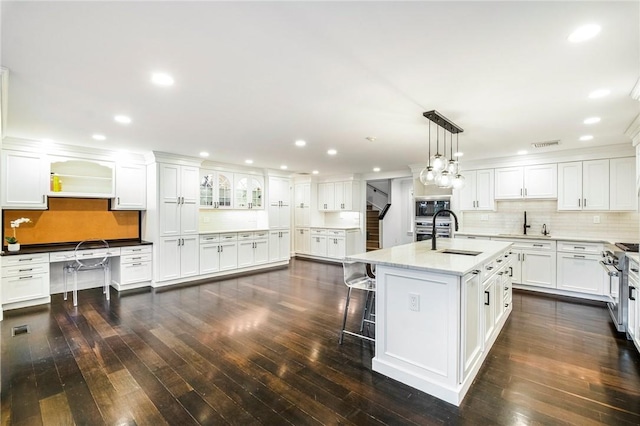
[13, 247]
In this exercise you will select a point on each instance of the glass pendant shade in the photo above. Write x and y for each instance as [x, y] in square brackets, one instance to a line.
[439, 163]
[452, 167]
[444, 180]
[458, 181]
[427, 176]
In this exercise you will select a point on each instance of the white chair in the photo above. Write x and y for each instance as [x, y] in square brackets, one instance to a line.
[86, 259]
[356, 277]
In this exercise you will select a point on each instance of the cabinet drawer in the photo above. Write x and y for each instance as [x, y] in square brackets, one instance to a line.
[318, 232]
[534, 245]
[261, 235]
[488, 269]
[139, 257]
[22, 259]
[135, 250]
[245, 236]
[65, 256]
[633, 271]
[26, 269]
[336, 232]
[577, 247]
[29, 287]
[229, 237]
[204, 239]
[135, 272]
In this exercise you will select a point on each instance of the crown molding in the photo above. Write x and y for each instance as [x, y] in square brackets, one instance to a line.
[635, 92]
[633, 131]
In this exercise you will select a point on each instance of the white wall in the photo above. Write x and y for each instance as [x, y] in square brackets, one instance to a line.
[397, 226]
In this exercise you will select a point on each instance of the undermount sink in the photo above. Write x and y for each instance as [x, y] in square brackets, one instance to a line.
[461, 252]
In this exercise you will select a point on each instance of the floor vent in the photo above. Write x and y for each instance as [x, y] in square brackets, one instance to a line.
[545, 144]
[21, 329]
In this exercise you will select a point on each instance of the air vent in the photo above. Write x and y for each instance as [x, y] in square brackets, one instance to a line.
[545, 144]
[21, 329]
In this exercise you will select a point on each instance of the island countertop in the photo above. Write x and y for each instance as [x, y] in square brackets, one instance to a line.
[419, 256]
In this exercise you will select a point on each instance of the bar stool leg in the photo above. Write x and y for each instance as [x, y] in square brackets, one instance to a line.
[344, 319]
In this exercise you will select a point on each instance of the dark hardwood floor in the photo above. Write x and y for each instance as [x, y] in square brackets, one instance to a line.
[263, 349]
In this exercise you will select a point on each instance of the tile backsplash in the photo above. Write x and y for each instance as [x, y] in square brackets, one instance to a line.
[508, 219]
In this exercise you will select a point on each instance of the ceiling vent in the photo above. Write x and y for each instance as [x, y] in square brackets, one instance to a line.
[545, 144]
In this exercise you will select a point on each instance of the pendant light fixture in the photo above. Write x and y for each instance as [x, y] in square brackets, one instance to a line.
[440, 171]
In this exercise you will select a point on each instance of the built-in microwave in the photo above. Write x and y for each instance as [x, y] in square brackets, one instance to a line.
[426, 207]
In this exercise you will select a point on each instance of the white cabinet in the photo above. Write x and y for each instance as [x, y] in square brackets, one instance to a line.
[279, 202]
[178, 189]
[489, 301]
[178, 257]
[579, 269]
[133, 268]
[530, 182]
[302, 206]
[633, 313]
[218, 252]
[216, 189]
[302, 241]
[318, 242]
[25, 280]
[253, 248]
[82, 178]
[279, 245]
[334, 244]
[338, 196]
[478, 192]
[583, 185]
[622, 174]
[534, 262]
[249, 191]
[131, 187]
[472, 322]
[25, 181]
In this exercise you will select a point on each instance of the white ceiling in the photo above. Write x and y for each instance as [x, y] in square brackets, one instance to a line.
[252, 77]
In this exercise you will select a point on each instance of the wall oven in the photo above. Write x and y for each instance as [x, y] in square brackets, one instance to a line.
[424, 229]
[426, 207]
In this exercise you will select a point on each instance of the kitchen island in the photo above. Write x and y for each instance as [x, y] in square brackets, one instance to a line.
[439, 312]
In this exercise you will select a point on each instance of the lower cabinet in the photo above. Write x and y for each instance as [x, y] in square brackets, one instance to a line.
[25, 280]
[133, 268]
[534, 262]
[279, 245]
[633, 320]
[318, 243]
[488, 303]
[579, 267]
[472, 322]
[178, 257]
[218, 252]
[332, 244]
[253, 248]
[302, 241]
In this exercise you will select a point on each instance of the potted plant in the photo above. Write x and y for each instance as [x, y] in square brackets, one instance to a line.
[12, 242]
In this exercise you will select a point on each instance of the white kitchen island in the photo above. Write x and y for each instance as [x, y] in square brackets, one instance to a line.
[438, 313]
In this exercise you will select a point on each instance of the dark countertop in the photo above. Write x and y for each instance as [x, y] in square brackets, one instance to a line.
[49, 248]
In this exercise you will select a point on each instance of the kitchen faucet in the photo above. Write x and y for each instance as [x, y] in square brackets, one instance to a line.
[525, 223]
[433, 231]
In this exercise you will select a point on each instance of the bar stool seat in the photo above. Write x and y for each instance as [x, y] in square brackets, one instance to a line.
[85, 260]
[356, 277]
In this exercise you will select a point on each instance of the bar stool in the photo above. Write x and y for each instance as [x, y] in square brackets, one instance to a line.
[85, 260]
[356, 277]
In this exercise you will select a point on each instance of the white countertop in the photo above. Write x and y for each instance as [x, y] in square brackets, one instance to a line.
[231, 231]
[419, 256]
[536, 237]
[331, 227]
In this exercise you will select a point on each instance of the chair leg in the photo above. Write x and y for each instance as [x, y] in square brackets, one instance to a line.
[344, 319]
[75, 287]
[65, 274]
[107, 279]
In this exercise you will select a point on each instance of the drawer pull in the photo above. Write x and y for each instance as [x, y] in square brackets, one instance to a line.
[489, 268]
[634, 269]
[25, 278]
[25, 270]
[577, 256]
[136, 264]
[25, 260]
[499, 260]
[136, 258]
[579, 248]
[538, 245]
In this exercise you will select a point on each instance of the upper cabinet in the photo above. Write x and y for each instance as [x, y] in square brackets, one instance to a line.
[25, 181]
[477, 193]
[622, 174]
[584, 185]
[178, 199]
[249, 191]
[81, 178]
[131, 187]
[338, 196]
[216, 190]
[530, 182]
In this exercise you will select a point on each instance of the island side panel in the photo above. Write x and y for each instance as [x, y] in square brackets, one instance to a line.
[418, 347]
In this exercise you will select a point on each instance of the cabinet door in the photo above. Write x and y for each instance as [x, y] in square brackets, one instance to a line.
[24, 180]
[326, 196]
[22, 288]
[302, 241]
[169, 188]
[228, 256]
[241, 198]
[570, 186]
[488, 301]
[336, 247]
[498, 294]
[245, 253]
[279, 216]
[319, 245]
[472, 323]
[541, 181]
[261, 252]
[509, 181]
[581, 273]
[189, 256]
[224, 183]
[302, 216]
[279, 191]
[257, 192]
[539, 269]
[485, 199]
[467, 195]
[595, 185]
[622, 195]
[302, 195]
[516, 266]
[208, 190]
[131, 187]
[168, 262]
[190, 197]
[284, 247]
[209, 258]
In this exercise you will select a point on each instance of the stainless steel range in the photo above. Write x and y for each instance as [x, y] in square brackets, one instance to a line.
[615, 263]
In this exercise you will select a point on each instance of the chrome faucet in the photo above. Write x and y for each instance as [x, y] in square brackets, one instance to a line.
[525, 223]
[433, 231]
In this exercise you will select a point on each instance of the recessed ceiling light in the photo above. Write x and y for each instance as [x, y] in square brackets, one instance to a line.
[592, 120]
[248, 161]
[332, 152]
[300, 142]
[584, 33]
[204, 154]
[283, 167]
[600, 93]
[161, 79]
[376, 169]
[370, 138]
[99, 137]
[586, 138]
[458, 154]
[122, 119]
[315, 172]
[522, 152]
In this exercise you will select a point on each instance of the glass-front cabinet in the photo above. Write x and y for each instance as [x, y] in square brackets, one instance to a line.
[249, 192]
[216, 190]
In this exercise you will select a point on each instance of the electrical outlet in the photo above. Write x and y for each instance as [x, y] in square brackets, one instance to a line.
[414, 302]
[596, 219]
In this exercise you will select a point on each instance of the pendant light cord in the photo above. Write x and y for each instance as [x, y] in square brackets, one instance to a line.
[429, 163]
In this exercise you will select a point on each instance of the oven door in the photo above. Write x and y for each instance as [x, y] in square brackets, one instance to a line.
[427, 208]
[613, 289]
